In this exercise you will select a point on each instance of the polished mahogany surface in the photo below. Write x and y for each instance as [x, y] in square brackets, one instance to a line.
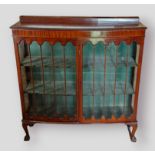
[78, 23]
[79, 69]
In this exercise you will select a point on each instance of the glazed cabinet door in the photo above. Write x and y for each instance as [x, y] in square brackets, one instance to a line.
[108, 80]
[49, 80]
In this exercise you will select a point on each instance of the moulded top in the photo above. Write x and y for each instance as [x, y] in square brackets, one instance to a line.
[77, 23]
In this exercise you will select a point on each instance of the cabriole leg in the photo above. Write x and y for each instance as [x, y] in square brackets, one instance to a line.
[27, 137]
[132, 127]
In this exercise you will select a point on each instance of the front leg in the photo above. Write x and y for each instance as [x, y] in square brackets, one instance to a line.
[27, 136]
[132, 127]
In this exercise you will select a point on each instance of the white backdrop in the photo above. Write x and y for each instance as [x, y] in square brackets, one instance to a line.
[74, 137]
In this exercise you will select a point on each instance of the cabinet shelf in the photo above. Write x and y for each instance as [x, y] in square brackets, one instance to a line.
[99, 112]
[123, 62]
[48, 88]
[70, 61]
[58, 62]
[110, 88]
[110, 61]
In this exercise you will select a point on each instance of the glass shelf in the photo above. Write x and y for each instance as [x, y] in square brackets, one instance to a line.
[100, 62]
[88, 90]
[58, 62]
[109, 89]
[106, 111]
[70, 61]
[123, 61]
[48, 88]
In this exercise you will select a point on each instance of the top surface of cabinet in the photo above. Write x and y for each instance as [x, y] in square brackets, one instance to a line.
[77, 23]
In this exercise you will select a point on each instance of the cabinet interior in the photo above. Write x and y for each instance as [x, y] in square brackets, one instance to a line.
[49, 79]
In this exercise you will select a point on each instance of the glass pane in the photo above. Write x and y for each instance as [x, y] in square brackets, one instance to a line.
[50, 79]
[108, 74]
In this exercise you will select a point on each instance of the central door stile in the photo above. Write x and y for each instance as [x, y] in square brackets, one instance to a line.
[79, 80]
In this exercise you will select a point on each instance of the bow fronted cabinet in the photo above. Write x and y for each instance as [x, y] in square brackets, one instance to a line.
[79, 69]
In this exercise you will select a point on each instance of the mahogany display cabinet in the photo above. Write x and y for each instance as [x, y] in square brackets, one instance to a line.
[79, 69]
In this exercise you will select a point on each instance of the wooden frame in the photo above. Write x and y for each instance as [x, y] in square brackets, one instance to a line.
[81, 29]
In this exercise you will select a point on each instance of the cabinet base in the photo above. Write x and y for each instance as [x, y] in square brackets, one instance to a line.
[132, 127]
